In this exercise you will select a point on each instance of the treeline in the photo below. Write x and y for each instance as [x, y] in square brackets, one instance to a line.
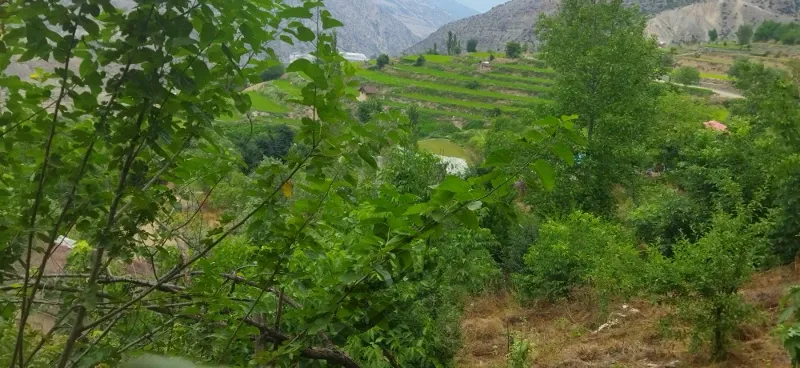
[786, 33]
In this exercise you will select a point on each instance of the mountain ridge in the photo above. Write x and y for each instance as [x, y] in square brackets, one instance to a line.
[670, 21]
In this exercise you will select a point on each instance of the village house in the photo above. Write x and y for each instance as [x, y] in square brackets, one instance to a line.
[485, 66]
[366, 91]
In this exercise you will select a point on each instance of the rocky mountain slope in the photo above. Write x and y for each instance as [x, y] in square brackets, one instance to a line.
[423, 17]
[672, 20]
[692, 22]
[373, 27]
[512, 21]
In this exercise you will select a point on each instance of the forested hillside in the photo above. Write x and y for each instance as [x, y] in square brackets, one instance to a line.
[172, 195]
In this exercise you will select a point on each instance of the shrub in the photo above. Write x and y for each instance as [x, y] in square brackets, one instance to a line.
[473, 84]
[686, 75]
[520, 354]
[491, 56]
[665, 216]
[580, 250]
[272, 73]
[420, 61]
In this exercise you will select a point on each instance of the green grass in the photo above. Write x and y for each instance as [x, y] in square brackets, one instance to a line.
[721, 114]
[527, 68]
[485, 55]
[466, 78]
[451, 101]
[439, 59]
[406, 82]
[508, 77]
[714, 76]
[265, 104]
[443, 147]
[436, 112]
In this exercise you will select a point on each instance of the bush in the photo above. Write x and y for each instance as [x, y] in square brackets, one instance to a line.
[473, 84]
[491, 56]
[382, 61]
[513, 50]
[420, 61]
[580, 250]
[367, 109]
[257, 142]
[686, 75]
[665, 216]
[273, 72]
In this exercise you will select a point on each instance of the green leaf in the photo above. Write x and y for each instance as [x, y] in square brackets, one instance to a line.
[295, 12]
[87, 66]
[454, 184]
[417, 209]
[305, 34]
[366, 156]
[562, 150]
[468, 218]
[545, 173]
[534, 136]
[328, 23]
[207, 33]
[310, 69]
[498, 157]
[387, 277]
[549, 121]
[474, 205]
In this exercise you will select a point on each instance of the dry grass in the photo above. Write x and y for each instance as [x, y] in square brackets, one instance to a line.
[562, 334]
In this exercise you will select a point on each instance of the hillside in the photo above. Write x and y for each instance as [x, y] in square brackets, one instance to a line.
[423, 17]
[673, 21]
[692, 22]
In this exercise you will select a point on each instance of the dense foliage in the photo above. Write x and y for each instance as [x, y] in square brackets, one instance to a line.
[208, 229]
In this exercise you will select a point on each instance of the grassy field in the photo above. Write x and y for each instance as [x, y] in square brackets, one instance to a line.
[443, 147]
[436, 112]
[454, 102]
[715, 76]
[528, 68]
[466, 78]
[265, 104]
[391, 80]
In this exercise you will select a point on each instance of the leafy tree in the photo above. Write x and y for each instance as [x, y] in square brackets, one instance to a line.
[273, 72]
[453, 44]
[473, 84]
[744, 34]
[686, 75]
[382, 61]
[412, 112]
[604, 67]
[513, 50]
[491, 56]
[472, 45]
[713, 35]
[420, 61]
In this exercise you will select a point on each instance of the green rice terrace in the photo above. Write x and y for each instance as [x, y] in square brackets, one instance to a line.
[457, 97]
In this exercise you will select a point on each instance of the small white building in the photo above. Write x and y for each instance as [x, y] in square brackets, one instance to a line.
[354, 57]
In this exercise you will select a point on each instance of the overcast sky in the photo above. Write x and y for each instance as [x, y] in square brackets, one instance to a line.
[482, 5]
